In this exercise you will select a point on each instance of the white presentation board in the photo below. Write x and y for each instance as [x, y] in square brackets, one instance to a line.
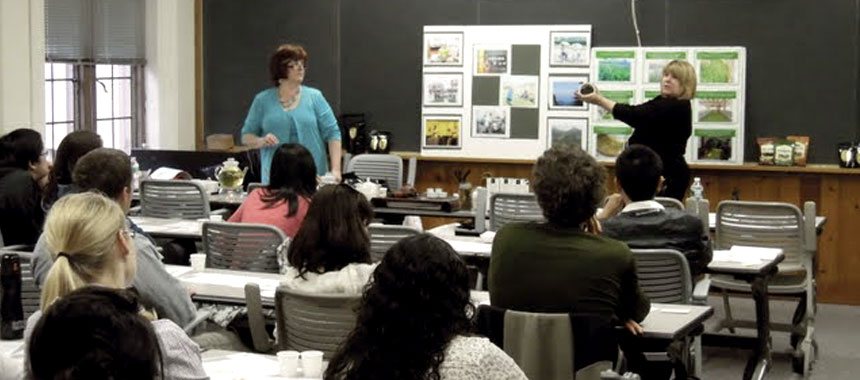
[507, 92]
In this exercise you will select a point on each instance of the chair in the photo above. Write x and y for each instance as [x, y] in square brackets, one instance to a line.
[242, 246]
[308, 321]
[664, 276]
[254, 185]
[548, 345]
[509, 207]
[775, 225]
[669, 202]
[178, 199]
[386, 167]
[384, 236]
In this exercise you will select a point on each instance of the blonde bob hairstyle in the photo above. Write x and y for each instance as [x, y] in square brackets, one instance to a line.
[686, 75]
[84, 227]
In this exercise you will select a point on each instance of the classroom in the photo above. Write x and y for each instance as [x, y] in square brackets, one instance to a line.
[271, 182]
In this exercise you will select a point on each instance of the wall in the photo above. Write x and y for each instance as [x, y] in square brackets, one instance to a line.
[802, 62]
[22, 73]
[169, 77]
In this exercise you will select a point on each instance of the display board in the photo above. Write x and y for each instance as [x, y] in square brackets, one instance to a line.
[632, 75]
[508, 92]
[503, 91]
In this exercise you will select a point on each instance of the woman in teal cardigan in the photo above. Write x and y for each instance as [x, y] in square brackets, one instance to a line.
[292, 113]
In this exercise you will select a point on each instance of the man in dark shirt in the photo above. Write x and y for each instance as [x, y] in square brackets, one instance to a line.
[22, 168]
[564, 265]
[635, 218]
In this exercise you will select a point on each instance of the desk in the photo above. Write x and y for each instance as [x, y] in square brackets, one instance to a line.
[757, 275]
[474, 246]
[230, 365]
[225, 286]
[169, 228]
[464, 214]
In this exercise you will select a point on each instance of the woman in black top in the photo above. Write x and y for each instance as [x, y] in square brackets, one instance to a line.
[664, 123]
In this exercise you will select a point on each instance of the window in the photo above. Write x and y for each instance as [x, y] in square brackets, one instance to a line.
[103, 98]
[94, 72]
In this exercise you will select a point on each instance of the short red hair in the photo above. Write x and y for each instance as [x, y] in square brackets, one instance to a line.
[285, 53]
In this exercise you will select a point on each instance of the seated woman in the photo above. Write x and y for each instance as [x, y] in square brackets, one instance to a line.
[284, 202]
[414, 322]
[108, 337]
[73, 147]
[331, 251]
[90, 244]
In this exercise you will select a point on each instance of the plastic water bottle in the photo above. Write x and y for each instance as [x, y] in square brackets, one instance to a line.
[135, 175]
[697, 190]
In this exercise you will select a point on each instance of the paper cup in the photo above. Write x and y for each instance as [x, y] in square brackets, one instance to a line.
[312, 364]
[198, 261]
[289, 363]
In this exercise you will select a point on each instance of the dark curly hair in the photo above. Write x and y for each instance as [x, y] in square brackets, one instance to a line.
[95, 333]
[569, 185]
[417, 302]
[333, 233]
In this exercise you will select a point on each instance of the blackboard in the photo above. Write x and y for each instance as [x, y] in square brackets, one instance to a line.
[802, 68]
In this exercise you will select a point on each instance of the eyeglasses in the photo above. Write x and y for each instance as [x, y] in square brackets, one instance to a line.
[296, 64]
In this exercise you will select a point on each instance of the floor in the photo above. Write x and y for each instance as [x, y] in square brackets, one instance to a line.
[837, 331]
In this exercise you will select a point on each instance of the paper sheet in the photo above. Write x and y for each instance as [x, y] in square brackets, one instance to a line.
[467, 247]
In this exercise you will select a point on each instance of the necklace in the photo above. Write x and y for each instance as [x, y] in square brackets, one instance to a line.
[291, 101]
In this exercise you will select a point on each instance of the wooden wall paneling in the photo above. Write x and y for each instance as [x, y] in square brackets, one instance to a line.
[839, 256]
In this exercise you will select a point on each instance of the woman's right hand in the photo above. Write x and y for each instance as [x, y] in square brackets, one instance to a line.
[592, 98]
[267, 140]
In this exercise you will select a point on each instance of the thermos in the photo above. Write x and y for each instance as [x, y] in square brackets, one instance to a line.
[11, 311]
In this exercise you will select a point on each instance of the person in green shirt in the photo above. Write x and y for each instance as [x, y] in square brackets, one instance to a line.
[563, 264]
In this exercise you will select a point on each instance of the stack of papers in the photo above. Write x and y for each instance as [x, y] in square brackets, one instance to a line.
[746, 255]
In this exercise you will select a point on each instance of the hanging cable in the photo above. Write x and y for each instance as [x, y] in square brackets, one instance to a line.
[635, 22]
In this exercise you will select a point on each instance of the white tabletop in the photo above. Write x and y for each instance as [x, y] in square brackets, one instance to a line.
[231, 365]
[228, 286]
[480, 246]
[163, 227]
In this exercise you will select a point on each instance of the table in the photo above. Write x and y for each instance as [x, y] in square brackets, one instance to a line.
[231, 365]
[757, 275]
[169, 228]
[225, 286]
[464, 214]
[475, 246]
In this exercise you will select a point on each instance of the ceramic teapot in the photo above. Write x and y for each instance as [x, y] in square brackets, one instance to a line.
[229, 175]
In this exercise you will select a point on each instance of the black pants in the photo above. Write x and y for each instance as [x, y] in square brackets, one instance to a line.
[676, 176]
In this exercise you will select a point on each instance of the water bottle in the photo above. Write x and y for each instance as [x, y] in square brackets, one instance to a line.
[135, 175]
[11, 310]
[697, 190]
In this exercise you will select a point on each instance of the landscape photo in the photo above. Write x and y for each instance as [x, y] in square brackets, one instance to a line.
[519, 91]
[615, 70]
[562, 91]
[569, 131]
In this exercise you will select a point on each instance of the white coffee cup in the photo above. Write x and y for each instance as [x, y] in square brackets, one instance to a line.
[289, 363]
[312, 364]
[198, 261]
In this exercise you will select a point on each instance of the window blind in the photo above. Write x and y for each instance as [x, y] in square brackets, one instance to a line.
[101, 31]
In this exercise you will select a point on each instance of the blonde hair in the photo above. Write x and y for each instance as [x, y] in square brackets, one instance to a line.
[686, 75]
[80, 232]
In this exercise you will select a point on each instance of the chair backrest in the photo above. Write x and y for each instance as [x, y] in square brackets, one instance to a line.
[384, 236]
[577, 341]
[179, 199]
[254, 185]
[509, 207]
[308, 321]
[669, 202]
[31, 296]
[664, 275]
[242, 246]
[767, 224]
[378, 166]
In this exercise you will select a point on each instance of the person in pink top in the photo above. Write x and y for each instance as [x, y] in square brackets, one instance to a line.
[284, 202]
